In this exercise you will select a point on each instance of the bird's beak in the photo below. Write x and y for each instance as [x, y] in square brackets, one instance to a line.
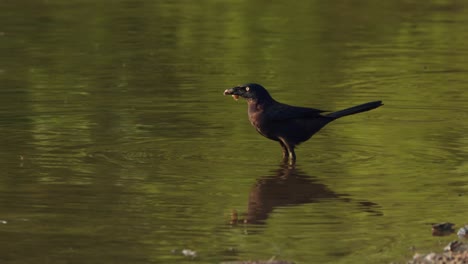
[232, 91]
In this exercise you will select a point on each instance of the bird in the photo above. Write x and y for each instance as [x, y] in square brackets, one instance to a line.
[289, 125]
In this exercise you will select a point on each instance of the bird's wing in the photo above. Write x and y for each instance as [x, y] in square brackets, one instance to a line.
[280, 112]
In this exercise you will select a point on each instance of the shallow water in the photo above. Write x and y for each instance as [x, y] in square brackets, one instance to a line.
[117, 145]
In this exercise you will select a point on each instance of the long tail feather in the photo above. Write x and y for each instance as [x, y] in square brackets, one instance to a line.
[355, 109]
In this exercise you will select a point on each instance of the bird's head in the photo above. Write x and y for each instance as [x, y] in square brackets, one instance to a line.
[250, 91]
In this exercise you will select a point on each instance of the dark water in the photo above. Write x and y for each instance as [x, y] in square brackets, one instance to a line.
[117, 145]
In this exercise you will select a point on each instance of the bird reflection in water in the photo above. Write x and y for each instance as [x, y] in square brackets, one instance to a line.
[289, 186]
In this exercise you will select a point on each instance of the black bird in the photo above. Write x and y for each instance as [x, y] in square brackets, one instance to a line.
[289, 125]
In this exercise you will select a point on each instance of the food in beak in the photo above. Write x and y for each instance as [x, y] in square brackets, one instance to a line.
[230, 92]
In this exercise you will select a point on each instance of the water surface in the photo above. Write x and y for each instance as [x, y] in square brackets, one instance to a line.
[117, 145]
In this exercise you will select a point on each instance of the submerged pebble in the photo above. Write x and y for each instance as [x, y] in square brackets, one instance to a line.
[189, 253]
[463, 232]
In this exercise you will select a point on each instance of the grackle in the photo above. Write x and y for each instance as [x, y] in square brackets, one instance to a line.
[289, 125]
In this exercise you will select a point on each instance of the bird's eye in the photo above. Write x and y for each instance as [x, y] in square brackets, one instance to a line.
[247, 88]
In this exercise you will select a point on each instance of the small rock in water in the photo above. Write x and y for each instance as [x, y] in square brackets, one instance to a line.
[259, 262]
[270, 261]
[455, 252]
[456, 246]
[3, 222]
[463, 232]
[189, 253]
[443, 229]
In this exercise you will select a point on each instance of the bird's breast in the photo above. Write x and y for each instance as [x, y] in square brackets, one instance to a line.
[258, 119]
[256, 115]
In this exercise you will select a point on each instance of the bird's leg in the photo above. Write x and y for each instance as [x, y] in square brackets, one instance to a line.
[288, 151]
[292, 156]
[285, 151]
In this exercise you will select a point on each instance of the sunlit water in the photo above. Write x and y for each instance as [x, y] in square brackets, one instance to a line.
[117, 145]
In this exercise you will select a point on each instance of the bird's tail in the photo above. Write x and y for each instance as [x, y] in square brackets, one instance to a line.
[355, 109]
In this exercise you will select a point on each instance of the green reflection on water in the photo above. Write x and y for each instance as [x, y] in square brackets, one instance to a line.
[117, 144]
